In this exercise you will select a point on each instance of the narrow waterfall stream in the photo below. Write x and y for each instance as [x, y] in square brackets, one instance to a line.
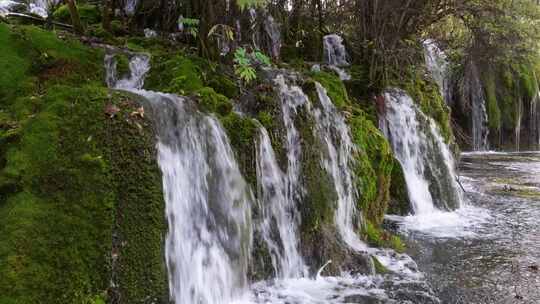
[334, 132]
[279, 210]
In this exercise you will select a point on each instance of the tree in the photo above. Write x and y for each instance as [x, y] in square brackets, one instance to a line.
[75, 18]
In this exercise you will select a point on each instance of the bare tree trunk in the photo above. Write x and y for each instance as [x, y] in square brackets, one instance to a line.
[75, 18]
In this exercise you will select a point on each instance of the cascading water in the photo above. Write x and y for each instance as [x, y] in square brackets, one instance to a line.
[474, 92]
[437, 64]
[279, 211]
[334, 133]
[335, 55]
[207, 200]
[130, 6]
[5, 6]
[427, 162]
[41, 7]
[208, 205]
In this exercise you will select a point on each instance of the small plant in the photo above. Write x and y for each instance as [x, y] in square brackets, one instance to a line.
[191, 26]
[244, 64]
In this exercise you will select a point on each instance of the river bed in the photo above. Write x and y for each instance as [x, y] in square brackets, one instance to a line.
[489, 250]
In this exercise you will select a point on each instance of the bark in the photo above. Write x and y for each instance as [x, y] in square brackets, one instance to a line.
[75, 18]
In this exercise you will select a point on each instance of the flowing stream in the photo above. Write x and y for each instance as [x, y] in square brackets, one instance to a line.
[495, 258]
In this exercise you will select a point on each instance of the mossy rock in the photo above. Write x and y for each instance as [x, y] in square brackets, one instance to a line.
[82, 180]
[89, 14]
[212, 102]
[334, 86]
[399, 196]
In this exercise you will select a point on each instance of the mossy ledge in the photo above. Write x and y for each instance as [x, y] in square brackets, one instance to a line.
[83, 204]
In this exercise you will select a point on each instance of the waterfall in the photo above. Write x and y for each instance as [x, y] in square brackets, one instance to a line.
[41, 7]
[427, 162]
[139, 65]
[474, 93]
[437, 65]
[335, 55]
[130, 6]
[5, 6]
[208, 206]
[207, 200]
[334, 133]
[265, 32]
[208, 203]
[279, 210]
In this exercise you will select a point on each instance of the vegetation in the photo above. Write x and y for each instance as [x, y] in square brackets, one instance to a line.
[81, 199]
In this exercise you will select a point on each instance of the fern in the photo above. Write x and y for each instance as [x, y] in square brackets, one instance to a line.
[243, 4]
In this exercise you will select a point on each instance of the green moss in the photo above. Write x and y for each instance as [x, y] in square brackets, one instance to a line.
[178, 75]
[374, 166]
[70, 183]
[493, 110]
[212, 102]
[379, 267]
[377, 237]
[399, 196]
[242, 132]
[427, 95]
[334, 86]
[90, 14]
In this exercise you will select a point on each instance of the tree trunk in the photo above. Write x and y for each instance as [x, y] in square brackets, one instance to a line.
[75, 18]
[107, 14]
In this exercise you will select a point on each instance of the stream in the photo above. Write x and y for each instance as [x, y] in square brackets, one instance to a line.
[489, 250]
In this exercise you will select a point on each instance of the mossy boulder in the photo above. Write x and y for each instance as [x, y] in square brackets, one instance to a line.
[84, 205]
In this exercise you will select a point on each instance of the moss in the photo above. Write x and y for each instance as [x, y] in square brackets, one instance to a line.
[379, 267]
[378, 237]
[223, 85]
[374, 166]
[212, 102]
[427, 95]
[90, 14]
[71, 186]
[334, 86]
[493, 110]
[399, 196]
[178, 75]
[242, 132]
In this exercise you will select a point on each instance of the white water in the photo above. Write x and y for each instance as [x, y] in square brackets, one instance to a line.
[41, 7]
[437, 64]
[208, 209]
[279, 211]
[207, 200]
[402, 126]
[5, 6]
[208, 205]
[334, 133]
[130, 6]
[139, 66]
[402, 129]
[291, 98]
[335, 55]
[413, 137]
